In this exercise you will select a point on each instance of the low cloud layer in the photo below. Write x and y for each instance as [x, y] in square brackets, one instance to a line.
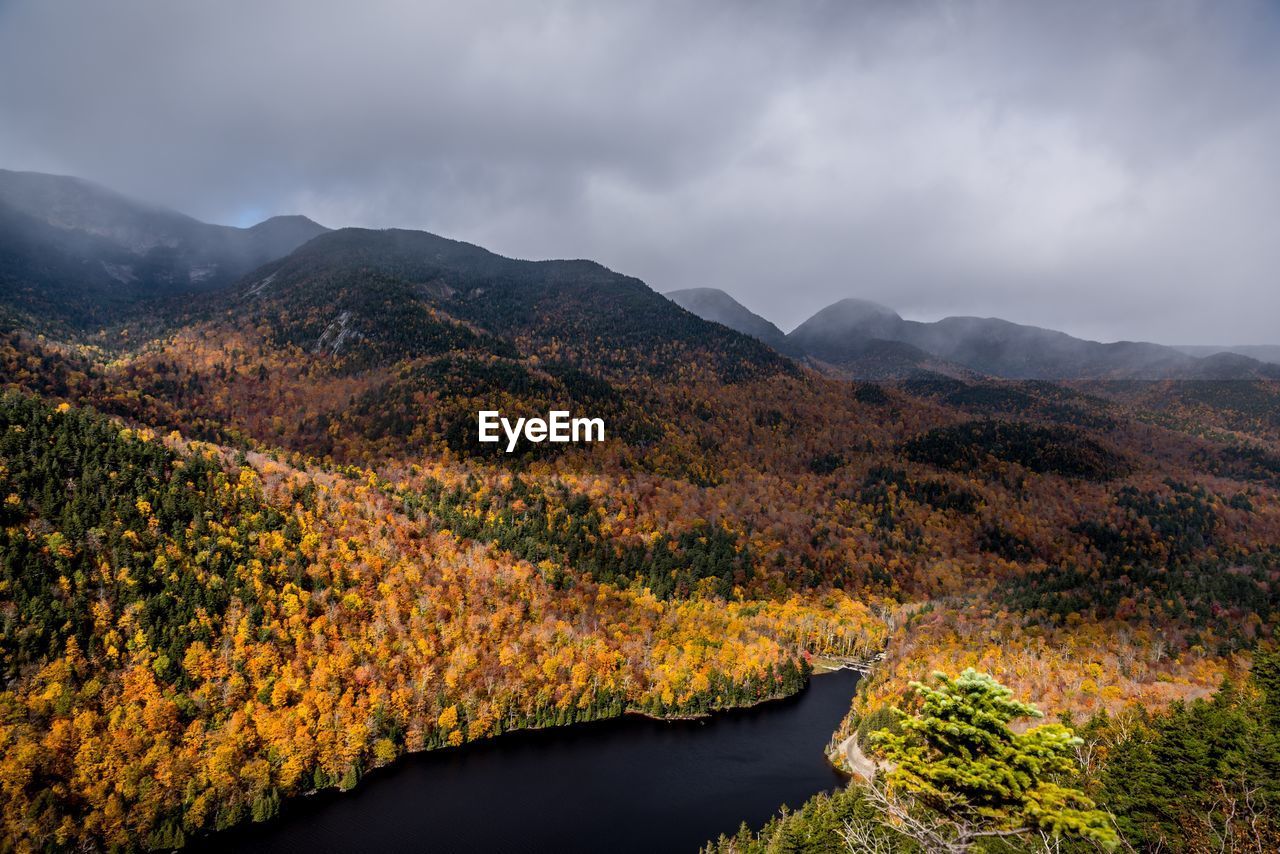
[1108, 169]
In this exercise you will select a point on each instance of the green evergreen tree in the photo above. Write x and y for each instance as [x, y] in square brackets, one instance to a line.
[957, 773]
[1266, 675]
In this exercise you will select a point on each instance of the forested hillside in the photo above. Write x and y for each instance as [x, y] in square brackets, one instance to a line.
[251, 547]
[1203, 776]
[190, 636]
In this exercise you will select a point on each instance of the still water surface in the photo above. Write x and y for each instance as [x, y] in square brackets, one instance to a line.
[630, 785]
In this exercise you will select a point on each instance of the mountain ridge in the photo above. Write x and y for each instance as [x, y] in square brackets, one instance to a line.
[261, 535]
[716, 305]
[550, 303]
[75, 255]
[866, 340]
[1262, 352]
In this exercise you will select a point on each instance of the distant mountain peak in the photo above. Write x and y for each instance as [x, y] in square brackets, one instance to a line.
[295, 220]
[849, 317]
[851, 306]
[279, 235]
[842, 334]
[375, 297]
[77, 256]
[1262, 352]
[717, 306]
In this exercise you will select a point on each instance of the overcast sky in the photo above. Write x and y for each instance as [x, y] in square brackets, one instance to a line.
[1111, 169]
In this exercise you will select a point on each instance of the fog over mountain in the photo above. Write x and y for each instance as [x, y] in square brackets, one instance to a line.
[75, 254]
[1261, 352]
[716, 305]
[996, 347]
[1105, 169]
[866, 340]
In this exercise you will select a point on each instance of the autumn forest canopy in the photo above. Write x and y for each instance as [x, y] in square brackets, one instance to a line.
[250, 548]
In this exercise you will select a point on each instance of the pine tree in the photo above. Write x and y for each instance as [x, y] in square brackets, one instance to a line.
[957, 773]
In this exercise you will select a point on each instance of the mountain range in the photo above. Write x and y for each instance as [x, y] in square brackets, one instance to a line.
[866, 340]
[250, 547]
[74, 255]
[1261, 352]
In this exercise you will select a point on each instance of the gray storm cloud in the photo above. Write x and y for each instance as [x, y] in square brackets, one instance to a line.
[1105, 168]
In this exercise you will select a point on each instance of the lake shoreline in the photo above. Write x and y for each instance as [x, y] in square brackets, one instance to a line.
[317, 801]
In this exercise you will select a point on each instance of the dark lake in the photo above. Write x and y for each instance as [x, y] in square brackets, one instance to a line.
[621, 786]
